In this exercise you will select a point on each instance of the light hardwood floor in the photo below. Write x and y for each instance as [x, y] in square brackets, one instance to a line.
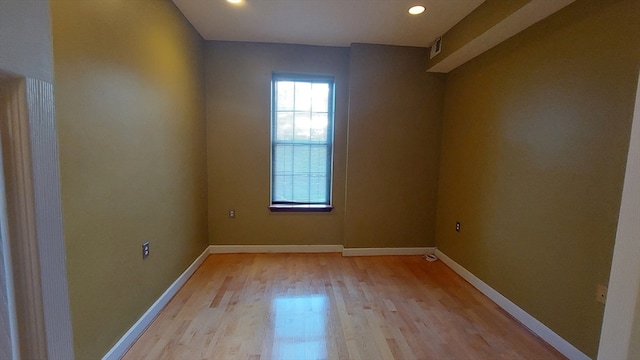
[325, 306]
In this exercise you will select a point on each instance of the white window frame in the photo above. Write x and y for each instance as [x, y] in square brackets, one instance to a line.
[301, 205]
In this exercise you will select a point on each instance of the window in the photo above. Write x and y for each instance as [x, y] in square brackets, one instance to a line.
[301, 143]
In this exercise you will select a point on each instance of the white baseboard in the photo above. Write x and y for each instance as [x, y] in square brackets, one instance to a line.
[253, 249]
[387, 251]
[256, 249]
[130, 337]
[522, 316]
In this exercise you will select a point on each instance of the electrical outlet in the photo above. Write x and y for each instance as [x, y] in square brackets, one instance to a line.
[457, 226]
[232, 213]
[145, 250]
[601, 294]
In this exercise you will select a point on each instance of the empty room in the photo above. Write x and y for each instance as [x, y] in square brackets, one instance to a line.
[320, 179]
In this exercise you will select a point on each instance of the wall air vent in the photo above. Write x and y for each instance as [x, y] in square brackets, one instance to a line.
[436, 47]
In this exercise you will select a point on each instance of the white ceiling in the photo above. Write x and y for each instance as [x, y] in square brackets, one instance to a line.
[325, 22]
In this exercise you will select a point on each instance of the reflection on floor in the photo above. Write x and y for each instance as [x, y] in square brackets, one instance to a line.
[325, 306]
[300, 327]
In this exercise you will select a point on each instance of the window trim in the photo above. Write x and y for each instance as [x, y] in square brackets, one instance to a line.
[300, 208]
[295, 206]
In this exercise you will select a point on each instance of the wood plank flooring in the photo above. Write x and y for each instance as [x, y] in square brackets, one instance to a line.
[325, 306]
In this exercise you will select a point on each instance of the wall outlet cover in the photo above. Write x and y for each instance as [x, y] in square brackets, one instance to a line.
[145, 250]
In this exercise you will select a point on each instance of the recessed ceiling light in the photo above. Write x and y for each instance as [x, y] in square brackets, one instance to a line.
[235, 2]
[414, 10]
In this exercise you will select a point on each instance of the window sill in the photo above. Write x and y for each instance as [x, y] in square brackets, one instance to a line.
[300, 208]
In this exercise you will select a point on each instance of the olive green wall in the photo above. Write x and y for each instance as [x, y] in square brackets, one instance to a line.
[395, 112]
[129, 98]
[392, 109]
[535, 139]
[238, 96]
